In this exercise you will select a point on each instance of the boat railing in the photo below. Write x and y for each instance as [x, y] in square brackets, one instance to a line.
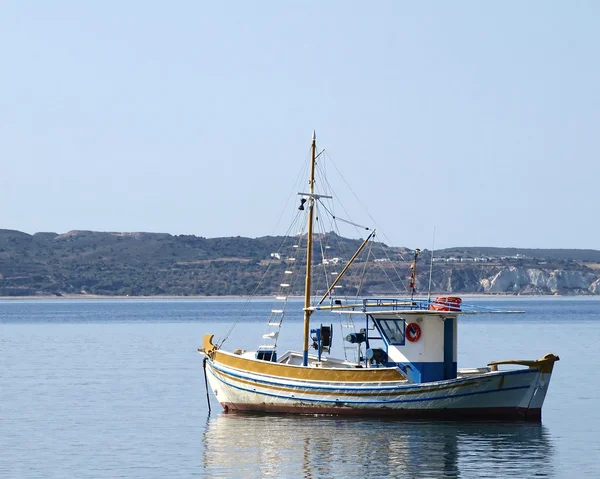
[392, 303]
[450, 304]
[368, 304]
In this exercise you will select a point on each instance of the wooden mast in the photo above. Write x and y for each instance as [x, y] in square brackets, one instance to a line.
[309, 246]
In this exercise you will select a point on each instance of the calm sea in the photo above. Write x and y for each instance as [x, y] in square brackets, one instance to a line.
[107, 389]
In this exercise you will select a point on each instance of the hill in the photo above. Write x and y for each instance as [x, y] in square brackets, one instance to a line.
[146, 264]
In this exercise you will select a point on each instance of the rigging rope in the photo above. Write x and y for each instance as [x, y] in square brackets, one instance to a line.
[335, 227]
[296, 185]
[285, 238]
[399, 277]
[292, 286]
[246, 304]
[343, 220]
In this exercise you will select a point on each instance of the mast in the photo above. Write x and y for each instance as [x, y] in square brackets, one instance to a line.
[413, 274]
[309, 245]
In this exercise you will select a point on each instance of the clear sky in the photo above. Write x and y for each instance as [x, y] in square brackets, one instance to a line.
[479, 118]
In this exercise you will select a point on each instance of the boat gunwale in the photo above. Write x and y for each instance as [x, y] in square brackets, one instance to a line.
[305, 382]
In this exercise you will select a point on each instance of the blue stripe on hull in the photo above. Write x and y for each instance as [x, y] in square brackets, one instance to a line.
[387, 389]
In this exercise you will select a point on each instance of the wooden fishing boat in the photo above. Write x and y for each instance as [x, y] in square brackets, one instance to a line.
[405, 365]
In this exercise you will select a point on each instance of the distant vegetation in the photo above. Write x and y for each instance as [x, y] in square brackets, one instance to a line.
[147, 264]
[135, 264]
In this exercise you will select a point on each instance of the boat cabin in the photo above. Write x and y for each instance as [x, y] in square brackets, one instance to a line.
[423, 344]
[419, 337]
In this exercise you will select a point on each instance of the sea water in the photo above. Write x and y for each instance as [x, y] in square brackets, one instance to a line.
[114, 388]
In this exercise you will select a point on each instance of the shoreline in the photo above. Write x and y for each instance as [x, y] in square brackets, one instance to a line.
[229, 297]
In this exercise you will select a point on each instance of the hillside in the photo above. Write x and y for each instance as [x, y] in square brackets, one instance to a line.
[146, 264]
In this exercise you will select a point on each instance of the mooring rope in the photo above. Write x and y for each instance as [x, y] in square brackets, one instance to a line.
[206, 384]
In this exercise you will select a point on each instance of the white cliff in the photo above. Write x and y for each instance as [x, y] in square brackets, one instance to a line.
[519, 280]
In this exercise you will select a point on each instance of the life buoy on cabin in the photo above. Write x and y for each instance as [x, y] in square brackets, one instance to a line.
[413, 332]
[446, 303]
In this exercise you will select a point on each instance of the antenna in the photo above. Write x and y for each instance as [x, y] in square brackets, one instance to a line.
[431, 267]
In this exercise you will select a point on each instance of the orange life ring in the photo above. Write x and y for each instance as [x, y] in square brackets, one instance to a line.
[413, 332]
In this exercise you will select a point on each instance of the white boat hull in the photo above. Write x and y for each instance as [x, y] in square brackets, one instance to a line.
[507, 395]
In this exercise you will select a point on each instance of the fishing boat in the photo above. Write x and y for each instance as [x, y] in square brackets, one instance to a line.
[405, 362]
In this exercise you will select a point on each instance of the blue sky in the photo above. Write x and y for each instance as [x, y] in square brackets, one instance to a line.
[477, 118]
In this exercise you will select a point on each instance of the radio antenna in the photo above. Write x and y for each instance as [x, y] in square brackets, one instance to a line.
[431, 267]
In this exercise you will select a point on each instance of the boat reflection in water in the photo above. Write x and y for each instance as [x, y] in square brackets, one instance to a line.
[317, 447]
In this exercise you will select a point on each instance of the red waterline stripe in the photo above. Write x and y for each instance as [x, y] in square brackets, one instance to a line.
[456, 414]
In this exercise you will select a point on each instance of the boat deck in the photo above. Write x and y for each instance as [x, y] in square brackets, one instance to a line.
[295, 358]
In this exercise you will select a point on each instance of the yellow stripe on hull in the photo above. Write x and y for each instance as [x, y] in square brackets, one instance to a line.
[287, 371]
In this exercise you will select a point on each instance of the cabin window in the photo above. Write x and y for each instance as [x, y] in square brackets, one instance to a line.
[393, 330]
